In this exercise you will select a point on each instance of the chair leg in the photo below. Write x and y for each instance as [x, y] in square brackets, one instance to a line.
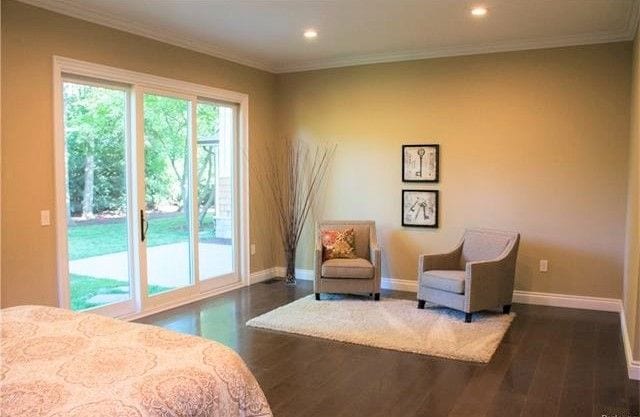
[376, 296]
[317, 296]
[421, 304]
[506, 309]
[468, 317]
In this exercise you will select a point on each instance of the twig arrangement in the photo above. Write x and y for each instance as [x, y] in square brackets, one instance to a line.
[292, 179]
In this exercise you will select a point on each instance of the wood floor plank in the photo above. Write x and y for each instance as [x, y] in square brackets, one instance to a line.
[578, 389]
[545, 391]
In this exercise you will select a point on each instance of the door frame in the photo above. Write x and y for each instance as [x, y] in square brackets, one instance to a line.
[138, 83]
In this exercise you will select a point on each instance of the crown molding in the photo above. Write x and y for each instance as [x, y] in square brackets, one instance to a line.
[626, 34]
[82, 12]
[75, 9]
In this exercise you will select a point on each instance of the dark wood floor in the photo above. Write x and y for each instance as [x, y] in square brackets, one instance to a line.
[552, 362]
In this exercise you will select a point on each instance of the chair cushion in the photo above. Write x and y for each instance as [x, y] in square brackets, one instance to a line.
[347, 268]
[451, 281]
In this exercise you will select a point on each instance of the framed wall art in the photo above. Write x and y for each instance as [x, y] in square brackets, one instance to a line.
[420, 163]
[420, 208]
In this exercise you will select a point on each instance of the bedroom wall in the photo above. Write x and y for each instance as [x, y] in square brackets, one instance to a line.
[632, 256]
[30, 37]
[533, 141]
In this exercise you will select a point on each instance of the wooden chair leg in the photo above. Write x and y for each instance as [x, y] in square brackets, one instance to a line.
[317, 296]
[421, 304]
[468, 317]
[506, 309]
[376, 296]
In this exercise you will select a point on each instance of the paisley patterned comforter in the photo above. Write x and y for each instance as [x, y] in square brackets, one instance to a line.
[57, 363]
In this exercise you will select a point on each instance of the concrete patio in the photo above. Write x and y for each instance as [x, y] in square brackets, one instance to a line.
[167, 265]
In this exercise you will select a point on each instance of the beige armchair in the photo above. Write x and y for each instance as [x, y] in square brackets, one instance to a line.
[349, 276]
[477, 275]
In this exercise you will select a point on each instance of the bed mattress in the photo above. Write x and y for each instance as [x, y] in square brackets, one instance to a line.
[54, 362]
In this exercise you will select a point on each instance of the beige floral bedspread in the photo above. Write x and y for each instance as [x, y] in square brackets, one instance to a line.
[57, 363]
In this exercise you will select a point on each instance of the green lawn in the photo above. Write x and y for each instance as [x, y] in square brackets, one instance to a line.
[84, 287]
[86, 240]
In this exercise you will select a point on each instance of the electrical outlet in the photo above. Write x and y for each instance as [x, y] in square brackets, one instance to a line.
[253, 248]
[544, 265]
[45, 218]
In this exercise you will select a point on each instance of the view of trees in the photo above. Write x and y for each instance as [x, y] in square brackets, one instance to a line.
[95, 123]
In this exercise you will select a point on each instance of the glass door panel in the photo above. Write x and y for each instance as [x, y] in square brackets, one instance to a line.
[167, 213]
[95, 133]
[216, 190]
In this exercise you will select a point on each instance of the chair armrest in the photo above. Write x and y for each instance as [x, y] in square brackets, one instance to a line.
[491, 282]
[442, 261]
[374, 255]
[502, 265]
[318, 259]
[484, 268]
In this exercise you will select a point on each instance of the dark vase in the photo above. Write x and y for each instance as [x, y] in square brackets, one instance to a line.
[290, 275]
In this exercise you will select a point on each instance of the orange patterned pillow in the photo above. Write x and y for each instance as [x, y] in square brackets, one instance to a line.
[338, 244]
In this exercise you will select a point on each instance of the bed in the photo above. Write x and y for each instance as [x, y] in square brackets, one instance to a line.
[58, 363]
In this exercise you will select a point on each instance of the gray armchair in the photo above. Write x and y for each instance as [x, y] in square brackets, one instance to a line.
[349, 276]
[477, 275]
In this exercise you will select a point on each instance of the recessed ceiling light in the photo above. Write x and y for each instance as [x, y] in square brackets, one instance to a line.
[310, 34]
[479, 11]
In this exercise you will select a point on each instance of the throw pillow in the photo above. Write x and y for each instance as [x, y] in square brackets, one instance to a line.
[338, 244]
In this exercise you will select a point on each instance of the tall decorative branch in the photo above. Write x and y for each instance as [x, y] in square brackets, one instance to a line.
[291, 179]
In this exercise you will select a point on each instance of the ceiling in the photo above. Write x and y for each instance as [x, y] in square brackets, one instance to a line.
[267, 34]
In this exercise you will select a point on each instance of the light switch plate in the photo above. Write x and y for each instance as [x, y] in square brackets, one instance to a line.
[253, 248]
[45, 218]
[544, 265]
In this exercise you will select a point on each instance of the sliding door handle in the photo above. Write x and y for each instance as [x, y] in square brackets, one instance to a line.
[144, 226]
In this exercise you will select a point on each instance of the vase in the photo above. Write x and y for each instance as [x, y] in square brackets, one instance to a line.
[290, 275]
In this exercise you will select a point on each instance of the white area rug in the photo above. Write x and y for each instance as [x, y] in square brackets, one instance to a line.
[391, 324]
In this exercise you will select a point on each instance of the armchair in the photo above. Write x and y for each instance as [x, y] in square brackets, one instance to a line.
[358, 275]
[477, 275]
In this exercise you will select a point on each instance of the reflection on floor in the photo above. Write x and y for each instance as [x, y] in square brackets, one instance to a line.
[552, 362]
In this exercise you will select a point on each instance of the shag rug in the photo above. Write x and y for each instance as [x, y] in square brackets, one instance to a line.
[391, 324]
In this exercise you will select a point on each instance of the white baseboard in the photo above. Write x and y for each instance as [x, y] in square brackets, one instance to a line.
[519, 296]
[633, 366]
[263, 275]
[399, 284]
[303, 274]
[567, 301]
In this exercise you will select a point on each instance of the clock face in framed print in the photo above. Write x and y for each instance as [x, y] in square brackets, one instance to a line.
[420, 208]
[420, 163]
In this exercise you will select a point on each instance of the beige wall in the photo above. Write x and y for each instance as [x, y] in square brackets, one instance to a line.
[632, 258]
[533, 141]
[30, 37]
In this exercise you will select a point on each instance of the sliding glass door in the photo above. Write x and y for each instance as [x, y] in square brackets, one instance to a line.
[216, 189]
[151, 196]
[167, 193]
[97, 194]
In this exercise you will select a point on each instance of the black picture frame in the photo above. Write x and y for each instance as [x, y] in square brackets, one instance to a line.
[416, 179]
[406, 194]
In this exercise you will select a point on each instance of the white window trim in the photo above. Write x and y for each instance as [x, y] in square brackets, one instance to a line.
[137, 80]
